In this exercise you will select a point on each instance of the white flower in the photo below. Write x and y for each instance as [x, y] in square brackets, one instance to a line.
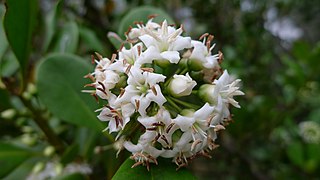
[142, 89]
[132, 81]
[118, 116]
[201, 56]
[310, 131]
[141, 29]
[181, 85]
[227, 88]
[196, 124]
[143, 152]
[160, 127]
[105, 81]
[164, 44]
[131, 55]
[223, 89]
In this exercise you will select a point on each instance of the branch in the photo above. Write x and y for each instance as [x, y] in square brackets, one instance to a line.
[39, 119]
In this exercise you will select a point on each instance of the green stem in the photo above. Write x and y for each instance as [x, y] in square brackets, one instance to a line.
[39, 119]
[195, 92]
[188, 105]
[185, 70]
[173, 104]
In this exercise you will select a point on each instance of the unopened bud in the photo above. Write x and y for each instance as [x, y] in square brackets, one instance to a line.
[181, 85]
[38, 167]
[49, 151]
[8, 114]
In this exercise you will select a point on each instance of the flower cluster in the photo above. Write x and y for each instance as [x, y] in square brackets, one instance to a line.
[165, 94]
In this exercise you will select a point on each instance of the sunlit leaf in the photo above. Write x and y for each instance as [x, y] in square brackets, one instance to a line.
[60, 81]
[90, 39]
[165, 170]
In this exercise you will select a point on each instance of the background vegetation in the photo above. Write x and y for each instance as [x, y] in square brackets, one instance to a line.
[45, 49]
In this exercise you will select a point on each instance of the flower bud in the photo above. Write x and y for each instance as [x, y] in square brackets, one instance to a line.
[8, 114]
[206, 93]
[28, 139]
[181, 85]
[49, 151]
[163, 63]
[39, 166]
[195, 64]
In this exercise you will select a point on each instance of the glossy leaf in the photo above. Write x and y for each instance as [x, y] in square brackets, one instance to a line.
[296, 154]
[19, 23]
[165, 170]
[141, 14]
[50, 25]
[60, 81]
[70, 154]
[90, 39]
[11, 157]
[68, 38]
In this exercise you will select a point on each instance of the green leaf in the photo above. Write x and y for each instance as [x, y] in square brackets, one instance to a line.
[165, 170]
[68, 37]
[60, 81]
[90, 39]
[23, 170]
[19, 23]
[50, 25]
[11, 157]
[70, 154]
[87, 140]
[3, 39]
[296, 154]
[141, 14]
[9, 64]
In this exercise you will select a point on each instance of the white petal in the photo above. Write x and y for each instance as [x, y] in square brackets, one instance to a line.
[147, 40]
[127, 110]
[172, 56]
[159, 98]
[150, 54]
[131, 147]
[113, 126]
[153, 78]
[147, 121]
[184, 122]
[105, 115]
[184, 140]
[147, 137]
[180, 43]
[204, 112]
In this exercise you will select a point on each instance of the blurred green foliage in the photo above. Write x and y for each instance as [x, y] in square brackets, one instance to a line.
[273, 46]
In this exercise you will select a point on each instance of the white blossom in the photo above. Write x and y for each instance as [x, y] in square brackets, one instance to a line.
[181, 85]
[202, 56]
[142, 89]
[152, 103]
[164, 44]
